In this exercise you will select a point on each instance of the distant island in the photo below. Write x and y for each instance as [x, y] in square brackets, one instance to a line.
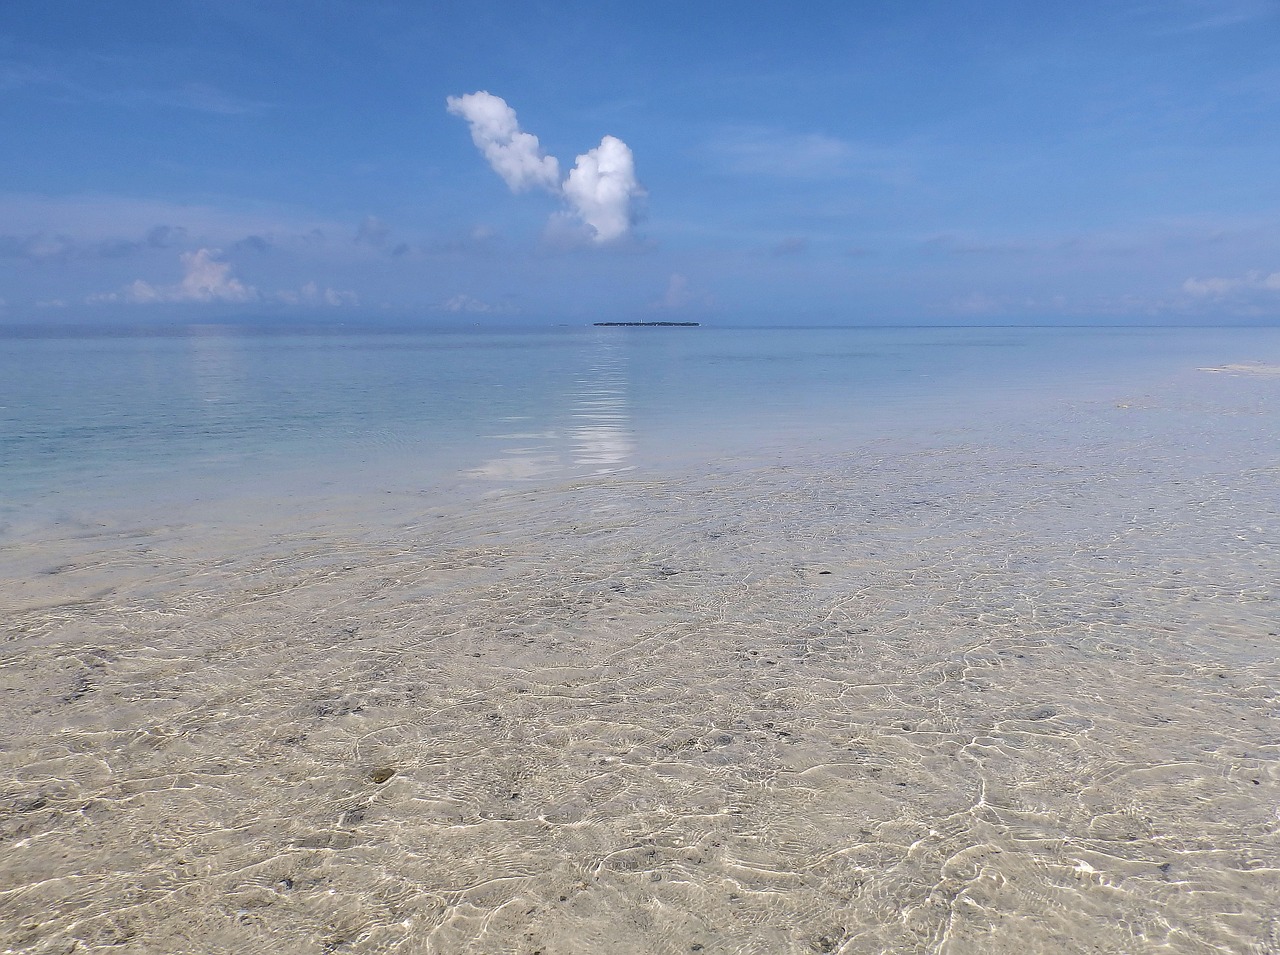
[645, 324]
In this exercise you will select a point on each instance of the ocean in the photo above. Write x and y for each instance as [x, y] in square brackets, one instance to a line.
[104, 414]
[565, 639]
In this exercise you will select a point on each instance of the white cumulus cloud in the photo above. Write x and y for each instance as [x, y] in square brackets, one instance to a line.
[205, 278]
[601, 187]
[514, 155]
[600, 190]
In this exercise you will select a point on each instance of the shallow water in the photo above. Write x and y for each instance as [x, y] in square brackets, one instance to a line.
[102, 418]
[991, 678]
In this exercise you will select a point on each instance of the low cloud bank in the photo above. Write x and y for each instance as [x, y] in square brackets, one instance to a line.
[204, 279]
[312, 294]
[465, 303]
[207, 279]
[600, 190]
[1217, 287]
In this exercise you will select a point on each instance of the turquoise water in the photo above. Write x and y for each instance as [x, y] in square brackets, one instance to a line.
[127, 411]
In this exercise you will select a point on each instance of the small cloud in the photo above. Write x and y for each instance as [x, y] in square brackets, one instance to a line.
[38, 247]
[208, 279]
[373, 231]
[117, 248]
[166, 236]
[1211, 287]
[42, 246]
[51, 303]
[465, 303]
[252, 243]
[762, 151]
[1194, 16]
[199, 97]
[312, 294]
[478, 239]
[207, 99]
[78, 228]
[261, 243]
[1254, 281]
[205, 279]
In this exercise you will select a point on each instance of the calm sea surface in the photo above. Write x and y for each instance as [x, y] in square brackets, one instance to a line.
[109, 416]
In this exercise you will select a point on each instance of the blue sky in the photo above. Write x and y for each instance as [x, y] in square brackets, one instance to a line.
[855, 162]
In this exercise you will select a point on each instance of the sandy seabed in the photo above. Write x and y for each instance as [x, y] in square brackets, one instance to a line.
[989, 691]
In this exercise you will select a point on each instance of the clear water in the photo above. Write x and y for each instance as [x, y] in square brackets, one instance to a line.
[640, 640]
[146, 411]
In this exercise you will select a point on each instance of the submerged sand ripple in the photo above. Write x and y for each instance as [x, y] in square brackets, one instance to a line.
[970, 697]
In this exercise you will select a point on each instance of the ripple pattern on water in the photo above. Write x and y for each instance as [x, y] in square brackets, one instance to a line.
[976, 696]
